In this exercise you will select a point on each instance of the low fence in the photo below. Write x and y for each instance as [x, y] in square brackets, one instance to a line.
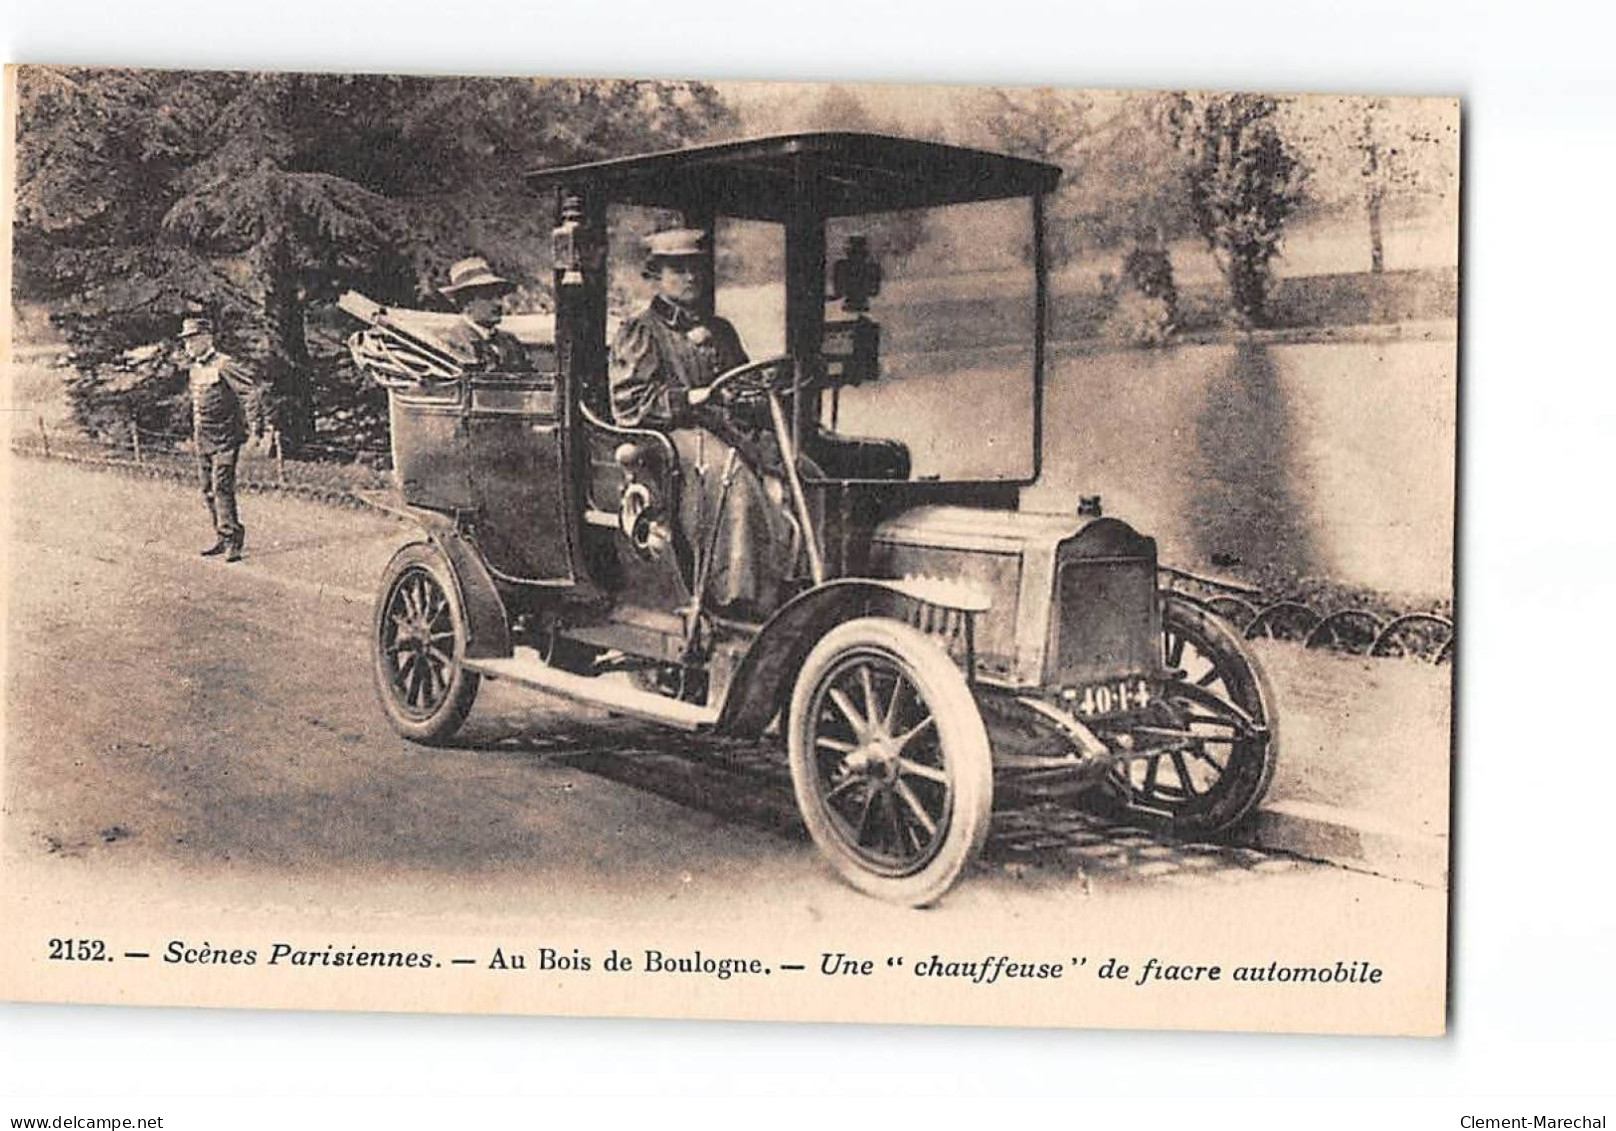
[1426, 636]
[334, 476]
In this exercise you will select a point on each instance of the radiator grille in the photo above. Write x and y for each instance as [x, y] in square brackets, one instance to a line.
[1107, 619]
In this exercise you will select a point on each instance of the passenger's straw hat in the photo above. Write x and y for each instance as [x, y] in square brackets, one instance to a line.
[191, 327]
[474, 274]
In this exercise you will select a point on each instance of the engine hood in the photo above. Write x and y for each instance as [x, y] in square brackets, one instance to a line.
[1012, 532]
[963, 528]
[1009, 560]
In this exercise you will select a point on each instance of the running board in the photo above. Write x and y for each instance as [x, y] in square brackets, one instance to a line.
[527, 669]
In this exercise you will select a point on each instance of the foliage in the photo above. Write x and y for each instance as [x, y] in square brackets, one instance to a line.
[1129, 187]
[1127, 174]
[1149, 270]
[754, 252]
[1376, 154]
[1042, 124]
[893, 235]
[257, 198]
[1141, 304]
[1243, 184]
[1122, 168]
[1139, 319]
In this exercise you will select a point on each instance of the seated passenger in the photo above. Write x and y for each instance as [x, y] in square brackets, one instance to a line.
[662, 361]
[476, 340]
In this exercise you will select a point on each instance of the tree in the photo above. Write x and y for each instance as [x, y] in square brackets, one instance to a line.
[892, 235]
[1042, 124]
[1128, 183]
[1037, 122]
[143, 195]
[1244, 183]
[271, 191]
[97, 152]
[1376, 153]
[1122, 182]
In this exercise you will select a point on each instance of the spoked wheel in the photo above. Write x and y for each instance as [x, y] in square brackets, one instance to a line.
[1215, 726]
[890, 761]
[419, 639]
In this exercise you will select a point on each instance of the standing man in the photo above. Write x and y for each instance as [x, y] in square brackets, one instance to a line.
[477, 339]
[226, 403]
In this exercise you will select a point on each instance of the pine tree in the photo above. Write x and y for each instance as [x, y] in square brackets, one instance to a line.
[256, 198]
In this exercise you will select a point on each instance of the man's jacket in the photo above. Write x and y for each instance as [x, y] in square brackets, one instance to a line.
[223, 411]
[478, 347]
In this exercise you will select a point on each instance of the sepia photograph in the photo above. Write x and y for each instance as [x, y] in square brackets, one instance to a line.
[845, 552]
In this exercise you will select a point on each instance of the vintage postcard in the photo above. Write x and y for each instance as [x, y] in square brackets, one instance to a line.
[729, 550]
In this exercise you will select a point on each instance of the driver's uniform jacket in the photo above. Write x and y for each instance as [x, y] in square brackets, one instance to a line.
[656, 357]
[662, 352]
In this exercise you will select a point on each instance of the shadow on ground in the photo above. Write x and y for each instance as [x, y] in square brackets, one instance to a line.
[1033, 841]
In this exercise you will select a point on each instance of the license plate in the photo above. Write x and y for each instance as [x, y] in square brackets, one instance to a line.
[1113, 697]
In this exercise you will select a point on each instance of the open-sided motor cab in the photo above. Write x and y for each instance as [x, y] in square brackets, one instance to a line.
[925, 610]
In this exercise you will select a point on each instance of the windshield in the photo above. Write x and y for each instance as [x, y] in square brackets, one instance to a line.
[957, 317]
[950, 332]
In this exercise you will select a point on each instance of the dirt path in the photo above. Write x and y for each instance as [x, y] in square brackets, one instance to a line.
[197, 745]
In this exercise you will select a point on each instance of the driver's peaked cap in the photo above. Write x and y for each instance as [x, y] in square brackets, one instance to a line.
[676, 243]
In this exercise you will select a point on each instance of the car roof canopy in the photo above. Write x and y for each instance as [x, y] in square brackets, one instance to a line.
[833, 174]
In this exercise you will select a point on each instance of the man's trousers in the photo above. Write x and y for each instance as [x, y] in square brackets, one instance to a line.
[217, 471]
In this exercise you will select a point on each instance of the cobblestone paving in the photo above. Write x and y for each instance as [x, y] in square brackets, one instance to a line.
[749, 783]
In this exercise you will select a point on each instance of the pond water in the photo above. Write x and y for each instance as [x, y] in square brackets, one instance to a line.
[1321, 459]
[1328, 459]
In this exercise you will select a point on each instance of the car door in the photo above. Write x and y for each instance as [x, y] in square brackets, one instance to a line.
[516, 428]
[427, 424]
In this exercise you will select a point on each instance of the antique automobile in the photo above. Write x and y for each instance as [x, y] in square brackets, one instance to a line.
[936, 639]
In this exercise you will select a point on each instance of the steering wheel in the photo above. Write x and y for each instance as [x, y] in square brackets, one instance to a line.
[755, 380]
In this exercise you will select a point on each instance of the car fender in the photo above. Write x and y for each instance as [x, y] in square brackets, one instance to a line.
[488, 634]
[763, 681]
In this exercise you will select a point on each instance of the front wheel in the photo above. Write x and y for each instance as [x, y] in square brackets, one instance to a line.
[890, 760]
[418, 639]
[1215, 725]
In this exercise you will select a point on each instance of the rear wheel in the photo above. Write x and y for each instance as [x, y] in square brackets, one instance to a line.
[890, 761]
[1215, 725]
[419, 645]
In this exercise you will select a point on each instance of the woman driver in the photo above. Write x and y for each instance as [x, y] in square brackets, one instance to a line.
[662, 362]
